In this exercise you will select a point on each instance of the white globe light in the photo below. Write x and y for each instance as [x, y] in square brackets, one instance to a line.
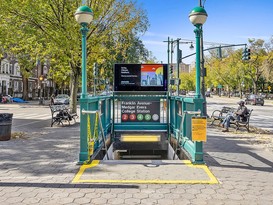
[198, 16]
[84, 15]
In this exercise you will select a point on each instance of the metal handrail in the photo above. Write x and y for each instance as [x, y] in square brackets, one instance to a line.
[101, 127]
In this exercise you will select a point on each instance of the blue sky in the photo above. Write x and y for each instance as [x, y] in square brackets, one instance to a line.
[229, 21]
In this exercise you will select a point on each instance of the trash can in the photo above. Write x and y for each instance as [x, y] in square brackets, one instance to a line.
[5, 126]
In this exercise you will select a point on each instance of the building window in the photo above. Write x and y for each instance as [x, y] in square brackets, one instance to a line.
[7, 67]
[15, 86]
[16, 69]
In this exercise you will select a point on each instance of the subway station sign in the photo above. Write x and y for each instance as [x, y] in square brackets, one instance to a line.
[140, 111]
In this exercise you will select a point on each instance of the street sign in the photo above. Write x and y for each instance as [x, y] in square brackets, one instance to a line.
[140, 111]
[199, 129]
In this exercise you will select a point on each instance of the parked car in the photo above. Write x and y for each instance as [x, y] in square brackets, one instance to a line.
[254, 100]
[207, 94]
[61, 99]
[183, 92]
[6, 99]
[78, 96]
[107, 93]
[190, 94]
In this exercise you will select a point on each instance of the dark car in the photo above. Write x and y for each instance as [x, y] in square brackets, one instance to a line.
[254, 100]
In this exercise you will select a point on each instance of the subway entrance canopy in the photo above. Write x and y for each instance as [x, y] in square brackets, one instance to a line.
[142, 119]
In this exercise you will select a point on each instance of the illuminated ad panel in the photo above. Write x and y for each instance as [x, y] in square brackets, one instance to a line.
[140, 77]
[152, 75]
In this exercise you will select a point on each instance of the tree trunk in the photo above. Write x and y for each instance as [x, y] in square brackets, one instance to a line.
[254, 87]
[74, 84]
[25, 88]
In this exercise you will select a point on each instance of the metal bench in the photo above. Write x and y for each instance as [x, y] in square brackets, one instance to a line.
[61, 114]
[219, 115]
[242, 122]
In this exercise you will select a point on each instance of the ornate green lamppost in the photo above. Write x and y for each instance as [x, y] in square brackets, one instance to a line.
[84, 16]
[198, 17]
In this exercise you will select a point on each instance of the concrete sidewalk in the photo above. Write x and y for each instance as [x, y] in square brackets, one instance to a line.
[39, 169]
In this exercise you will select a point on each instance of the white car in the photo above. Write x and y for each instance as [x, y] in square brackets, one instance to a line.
[61, 99]
[190, 94]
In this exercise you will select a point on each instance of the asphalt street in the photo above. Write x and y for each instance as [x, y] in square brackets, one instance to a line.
[261, 117]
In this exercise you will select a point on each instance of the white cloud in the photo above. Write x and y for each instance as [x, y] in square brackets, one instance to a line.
[149, 42]
[158, 35]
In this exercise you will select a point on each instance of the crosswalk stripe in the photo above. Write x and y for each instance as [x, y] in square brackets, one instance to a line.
[32, 116]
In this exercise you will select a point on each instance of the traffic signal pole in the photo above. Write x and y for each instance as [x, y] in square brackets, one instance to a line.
[95, 73]
[178, 59]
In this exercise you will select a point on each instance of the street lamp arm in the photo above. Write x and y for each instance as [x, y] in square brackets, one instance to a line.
[227, 46]
[215, 48]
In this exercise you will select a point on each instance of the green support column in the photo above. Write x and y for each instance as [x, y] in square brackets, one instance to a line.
[84, 31]
[83, 15]
[84, 105]
[83, 156]
[198, 17]
[198, 146]
[197, 32]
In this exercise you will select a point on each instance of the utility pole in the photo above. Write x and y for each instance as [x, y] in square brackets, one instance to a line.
[171, 62]
[95, 74]
[178, 59]
[170, 58]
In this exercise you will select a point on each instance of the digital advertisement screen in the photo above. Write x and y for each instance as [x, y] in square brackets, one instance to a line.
[140, 77]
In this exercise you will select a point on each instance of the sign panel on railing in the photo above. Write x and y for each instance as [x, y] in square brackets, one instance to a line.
[140, 111]
[199, 129]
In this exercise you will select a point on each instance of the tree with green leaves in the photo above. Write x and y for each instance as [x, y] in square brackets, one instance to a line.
[48, 30]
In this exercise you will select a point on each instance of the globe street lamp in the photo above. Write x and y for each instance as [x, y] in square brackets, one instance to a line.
[41, 83]
[198, 17]
[84, 16]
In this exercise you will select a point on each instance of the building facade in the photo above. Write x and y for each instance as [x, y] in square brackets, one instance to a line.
[11, 81]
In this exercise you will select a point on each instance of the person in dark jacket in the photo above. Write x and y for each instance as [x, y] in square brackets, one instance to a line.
[240, 114]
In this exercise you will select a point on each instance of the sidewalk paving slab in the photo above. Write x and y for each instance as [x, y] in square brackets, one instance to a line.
[40, 170]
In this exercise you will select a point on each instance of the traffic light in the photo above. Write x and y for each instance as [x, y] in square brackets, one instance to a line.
[171, 69]
[246, 54]
[219, 52]
[204, 72]
[95, 70]
[179, 56]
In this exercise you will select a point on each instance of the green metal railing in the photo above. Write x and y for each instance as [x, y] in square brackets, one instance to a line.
[95, 124]
[101, 117]
[180, 129]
